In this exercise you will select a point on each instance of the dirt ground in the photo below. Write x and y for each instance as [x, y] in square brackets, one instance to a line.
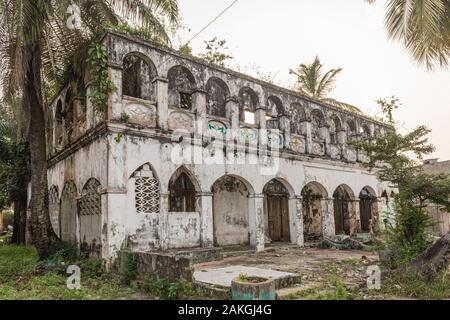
[315, 266]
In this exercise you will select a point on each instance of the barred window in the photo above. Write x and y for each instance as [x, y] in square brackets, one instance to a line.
[90, 202]
[147, 191]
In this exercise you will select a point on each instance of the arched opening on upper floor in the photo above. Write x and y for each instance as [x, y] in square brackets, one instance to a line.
[275, 110]
[248, 103]
[217, 93]
[298, 116]
[335, 128]
[138, 74]
[317, 122]
[181, 87]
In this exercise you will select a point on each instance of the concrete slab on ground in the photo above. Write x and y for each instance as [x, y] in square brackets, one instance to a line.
[223, 276]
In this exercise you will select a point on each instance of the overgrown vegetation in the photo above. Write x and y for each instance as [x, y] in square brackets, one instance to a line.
[394, 157]
[23, 276]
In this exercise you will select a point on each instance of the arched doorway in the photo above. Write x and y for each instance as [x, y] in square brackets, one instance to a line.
[69, 213]
[277, 211]
[230, 212]
[366, 210]
[342, 219]
[312, 195]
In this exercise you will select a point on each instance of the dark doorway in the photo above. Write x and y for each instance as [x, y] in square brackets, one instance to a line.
[341, 210]
[277, 205]
[365, 209]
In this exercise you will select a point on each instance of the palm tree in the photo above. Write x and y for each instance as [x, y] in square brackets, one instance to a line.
[424, 28]
[314, 83]
[36, 44]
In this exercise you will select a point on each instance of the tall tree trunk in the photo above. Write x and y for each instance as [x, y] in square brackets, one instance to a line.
[20, 222]
[42, 234]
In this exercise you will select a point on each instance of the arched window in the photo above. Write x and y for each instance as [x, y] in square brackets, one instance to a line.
[216, 97]
[182, 194]
[275, 110]
[317, 121]
[298, 115]
[334, 129]
[181, 87]
[147, 194]
[365, 131]
[137, 77]
[90, 202]
[351, 129]
[248, 102]
[53, 207]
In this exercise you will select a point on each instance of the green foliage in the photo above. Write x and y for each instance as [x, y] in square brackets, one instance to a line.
[128, 268]
[394, 157]
[124, 117]
[413, 285]
[186, 49]
[179, 290]
[102, 86]
[216, 52]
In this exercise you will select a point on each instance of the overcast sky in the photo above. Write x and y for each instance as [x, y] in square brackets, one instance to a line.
[278, 35]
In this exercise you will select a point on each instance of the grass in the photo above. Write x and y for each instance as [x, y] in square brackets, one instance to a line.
[23, 277]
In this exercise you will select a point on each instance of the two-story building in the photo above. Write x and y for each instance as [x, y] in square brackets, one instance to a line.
[187, 154]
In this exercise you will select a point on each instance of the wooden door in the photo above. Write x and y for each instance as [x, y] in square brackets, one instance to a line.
[365, 209]
[278, 218]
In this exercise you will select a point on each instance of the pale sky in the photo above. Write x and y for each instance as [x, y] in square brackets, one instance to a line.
[278, 35]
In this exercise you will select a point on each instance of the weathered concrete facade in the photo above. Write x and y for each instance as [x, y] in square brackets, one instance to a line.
[127, 177]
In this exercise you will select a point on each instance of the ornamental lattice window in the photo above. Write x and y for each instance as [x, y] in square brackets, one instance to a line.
[90, 202]
[146, 191]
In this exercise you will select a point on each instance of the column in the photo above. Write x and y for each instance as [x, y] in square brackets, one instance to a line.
[116, 110]
[256, 221]
[296, 215]
[377, 205]
[162, 101]
[164, 221]
[328, 227]
[199, 107]
[205, 207]
[306, 125]
[325, 135]
[232, 113]
[260, 121]
[285, 127]
[355, 217]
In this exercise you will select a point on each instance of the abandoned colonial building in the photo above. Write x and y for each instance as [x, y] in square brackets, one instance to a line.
[283, 169]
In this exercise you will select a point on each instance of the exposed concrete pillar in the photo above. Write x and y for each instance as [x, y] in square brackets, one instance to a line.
[324, 132]
[232, 113]
[256, 221]
[115, 73]
[355, 216]
[164, 221]
[306, 125]
[205, 207]
[328, 228]
[296, 216]
[260, 122]
[162, 101]
[377, 205]
[285, 128]
[199, 107]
